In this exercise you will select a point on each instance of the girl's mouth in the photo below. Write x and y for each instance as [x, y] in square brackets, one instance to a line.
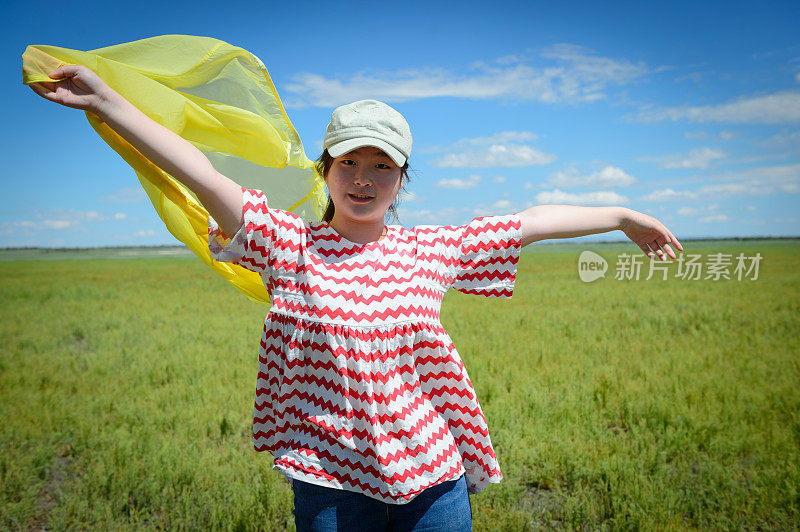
[361, 198]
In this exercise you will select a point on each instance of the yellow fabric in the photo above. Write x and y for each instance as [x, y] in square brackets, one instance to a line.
[218, 97]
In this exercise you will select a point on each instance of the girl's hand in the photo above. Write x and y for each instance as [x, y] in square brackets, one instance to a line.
[649, 234]
[79, 88]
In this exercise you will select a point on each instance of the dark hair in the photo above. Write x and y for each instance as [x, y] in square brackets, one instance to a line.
[323, 166]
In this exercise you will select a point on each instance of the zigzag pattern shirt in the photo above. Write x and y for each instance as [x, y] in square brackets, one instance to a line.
[359, 387]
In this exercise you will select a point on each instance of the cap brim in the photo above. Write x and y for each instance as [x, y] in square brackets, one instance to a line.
[346, 146]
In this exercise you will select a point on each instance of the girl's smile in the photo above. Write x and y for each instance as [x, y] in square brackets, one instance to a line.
[361, 198]
[363, 184]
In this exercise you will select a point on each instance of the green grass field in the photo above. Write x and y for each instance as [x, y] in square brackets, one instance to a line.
[126, 392]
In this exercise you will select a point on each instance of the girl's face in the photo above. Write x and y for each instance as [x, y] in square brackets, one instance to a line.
[363, 184]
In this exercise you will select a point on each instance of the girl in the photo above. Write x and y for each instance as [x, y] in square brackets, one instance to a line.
[361, 396]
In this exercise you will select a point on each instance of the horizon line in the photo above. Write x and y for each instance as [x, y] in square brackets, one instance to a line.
[549, 241]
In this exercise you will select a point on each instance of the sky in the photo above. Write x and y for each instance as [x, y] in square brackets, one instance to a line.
[689, 112]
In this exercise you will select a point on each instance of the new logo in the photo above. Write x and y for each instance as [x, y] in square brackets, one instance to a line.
[591, 266]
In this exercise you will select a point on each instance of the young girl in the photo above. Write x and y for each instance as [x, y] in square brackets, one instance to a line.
[361, 396]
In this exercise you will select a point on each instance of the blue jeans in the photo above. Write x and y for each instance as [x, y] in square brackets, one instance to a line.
[444, 507]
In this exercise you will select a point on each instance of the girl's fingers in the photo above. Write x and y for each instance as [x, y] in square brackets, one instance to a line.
[65, 71]
[652, 249]
[48, 85]
[57, 73]
[657, 249]
[663, 242]
[44, 92]
[675, 241]
[658, 241]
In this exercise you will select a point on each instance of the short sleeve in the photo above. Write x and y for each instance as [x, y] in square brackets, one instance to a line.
[266, 235]
[487, 255]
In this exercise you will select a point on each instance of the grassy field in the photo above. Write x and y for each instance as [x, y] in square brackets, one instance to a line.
[126, 393]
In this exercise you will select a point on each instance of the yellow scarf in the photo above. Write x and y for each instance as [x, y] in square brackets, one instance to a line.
[218, 97]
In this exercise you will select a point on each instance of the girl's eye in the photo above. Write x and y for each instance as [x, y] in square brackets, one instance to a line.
[382, 166]
[348, 161]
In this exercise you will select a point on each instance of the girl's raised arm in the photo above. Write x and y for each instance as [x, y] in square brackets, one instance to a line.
[79, 87]
[566, 221]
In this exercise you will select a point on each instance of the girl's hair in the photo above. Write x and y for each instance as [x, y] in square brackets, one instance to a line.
[323, 165]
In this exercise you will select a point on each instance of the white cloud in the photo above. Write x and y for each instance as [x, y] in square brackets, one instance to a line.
[699, 158]
[608, 177]
[783, 139]
[503, 137]
[757, 182]
[53, 220]
[505, 149]
[785, 220]
[713, 218]
[703, 213]
[667, 194]
[562, 73]
[724, 135]
[497, 208]
[725, 189]
[125, 195]
[496, 155]
[501, 207]
[588, 198]
[56, 224]
[789, 173]
[9, 228]
[762, 181]
[695, 134]
[751, 207]
[27, 227]
[147, 232]
[120, 216]
[460, 184]
[84, 216]
[777, 108]
[499, 179]
[695, 77]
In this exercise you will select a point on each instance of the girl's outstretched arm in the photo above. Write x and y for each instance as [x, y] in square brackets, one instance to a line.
[79, 87]
[565, 221]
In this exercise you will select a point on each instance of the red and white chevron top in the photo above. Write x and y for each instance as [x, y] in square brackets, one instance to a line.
[359, 386]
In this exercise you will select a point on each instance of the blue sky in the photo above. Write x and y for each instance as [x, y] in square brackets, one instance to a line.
[688, 113]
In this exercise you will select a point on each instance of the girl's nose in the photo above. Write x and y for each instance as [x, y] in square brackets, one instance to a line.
[363, 178]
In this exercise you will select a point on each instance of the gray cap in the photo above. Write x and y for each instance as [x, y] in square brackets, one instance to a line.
[368, 123]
